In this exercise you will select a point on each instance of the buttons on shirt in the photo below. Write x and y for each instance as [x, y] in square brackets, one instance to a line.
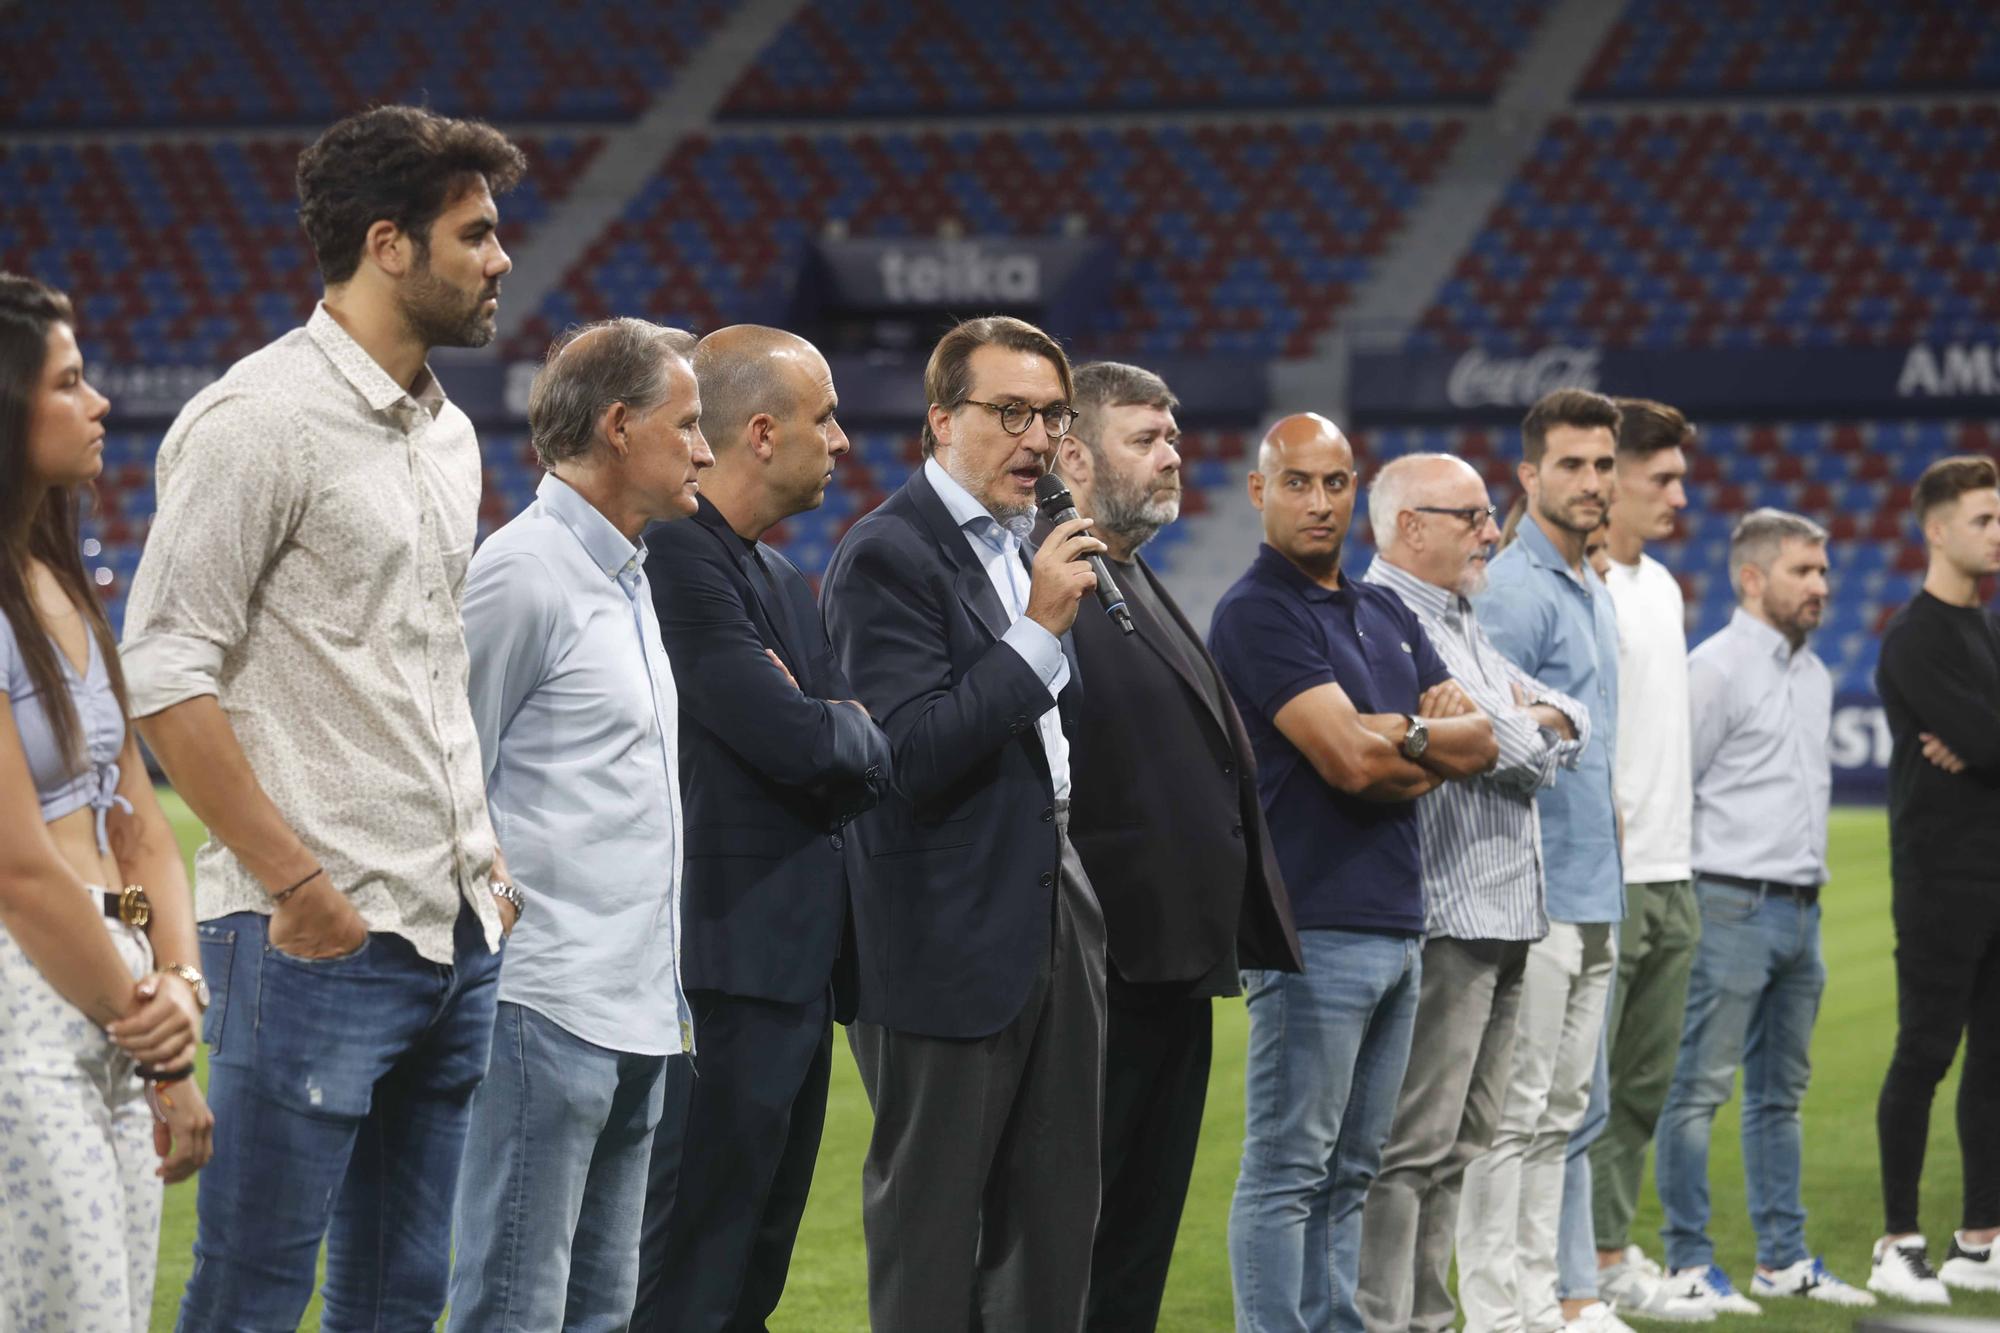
[873, 773]
[1047, 879]
[1048, 814]
[837, 841]
[1228, 769]
[1236, 831]
[1018, 725]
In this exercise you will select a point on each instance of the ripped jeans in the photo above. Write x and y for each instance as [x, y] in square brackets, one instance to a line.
[341, 1090]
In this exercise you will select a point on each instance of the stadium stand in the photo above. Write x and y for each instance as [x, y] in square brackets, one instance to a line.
[1669, 48]
[145, 63]
[1739, 229]
[165, 276]
[872, 58]
[1233, 237]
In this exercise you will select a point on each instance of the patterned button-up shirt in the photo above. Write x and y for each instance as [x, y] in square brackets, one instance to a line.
[305, 567]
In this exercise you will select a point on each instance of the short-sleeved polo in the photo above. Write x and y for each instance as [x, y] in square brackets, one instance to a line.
[1348, 863]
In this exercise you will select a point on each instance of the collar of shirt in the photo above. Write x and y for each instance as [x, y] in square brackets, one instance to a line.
[601, 540]
[973, 516]
[365, 373]
[1272, 564]
[1425, 598]
[1759, 635]
[1530, 537]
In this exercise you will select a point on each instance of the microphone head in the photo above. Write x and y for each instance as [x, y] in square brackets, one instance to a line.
[1052, 495]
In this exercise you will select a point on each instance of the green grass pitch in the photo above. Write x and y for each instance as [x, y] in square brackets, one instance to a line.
[1850, 1051]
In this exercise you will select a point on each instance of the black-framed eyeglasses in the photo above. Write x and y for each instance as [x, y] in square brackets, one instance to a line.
[1015, 418]
[1473, 516]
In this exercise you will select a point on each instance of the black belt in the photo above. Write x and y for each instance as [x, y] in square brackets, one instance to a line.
[1805, 893]
[129, 905]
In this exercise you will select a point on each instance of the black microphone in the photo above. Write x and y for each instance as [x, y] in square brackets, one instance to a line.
[1058, 508]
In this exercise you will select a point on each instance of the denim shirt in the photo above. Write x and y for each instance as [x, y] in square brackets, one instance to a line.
[1559, 627]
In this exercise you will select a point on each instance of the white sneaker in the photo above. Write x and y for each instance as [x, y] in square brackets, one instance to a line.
[1809, 1278]
[1711, 1286]
[1903, 1272]
[1969, 1268]
[1597, 1317]
[1637, 1289]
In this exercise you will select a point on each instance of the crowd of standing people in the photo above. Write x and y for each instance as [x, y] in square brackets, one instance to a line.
[538, 876]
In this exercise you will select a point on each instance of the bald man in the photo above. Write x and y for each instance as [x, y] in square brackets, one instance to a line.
[1483, 891]
[1353, 716]
[775, 758]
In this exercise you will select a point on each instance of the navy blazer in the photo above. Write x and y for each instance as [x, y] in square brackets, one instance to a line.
[770, 774]
[954, 894]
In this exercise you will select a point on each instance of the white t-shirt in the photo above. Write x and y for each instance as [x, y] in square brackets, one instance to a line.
[1654, 774]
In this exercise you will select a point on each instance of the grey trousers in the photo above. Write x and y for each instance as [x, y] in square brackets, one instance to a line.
[1445, 1116]
[979, 1194]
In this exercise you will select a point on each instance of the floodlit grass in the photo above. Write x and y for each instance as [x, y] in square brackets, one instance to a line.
[827, 1292]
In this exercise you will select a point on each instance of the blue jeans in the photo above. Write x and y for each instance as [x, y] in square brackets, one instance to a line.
[1328, 1047]
[549, 1208]
[340, 1090]
[1576, 1244]
[1752, 1000]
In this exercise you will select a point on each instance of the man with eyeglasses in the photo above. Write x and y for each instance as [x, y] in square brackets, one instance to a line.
[980, 946]
[1352, 716]
[1483, 891]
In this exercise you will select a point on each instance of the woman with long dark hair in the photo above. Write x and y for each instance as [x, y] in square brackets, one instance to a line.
[100, 996]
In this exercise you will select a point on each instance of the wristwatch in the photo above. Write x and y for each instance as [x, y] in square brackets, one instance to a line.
[195, 980]
[508, 894]
[1417, 739]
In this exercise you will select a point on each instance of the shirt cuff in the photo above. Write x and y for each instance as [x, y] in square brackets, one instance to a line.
[1041, 650]
[162, 670]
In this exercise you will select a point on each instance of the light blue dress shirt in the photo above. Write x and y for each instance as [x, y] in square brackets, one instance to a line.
[999, 549]
[576, 710]
[1559, 627]
[1762, 778]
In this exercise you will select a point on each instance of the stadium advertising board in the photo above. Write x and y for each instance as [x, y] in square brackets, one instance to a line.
[1859, 749]
[1920, 378]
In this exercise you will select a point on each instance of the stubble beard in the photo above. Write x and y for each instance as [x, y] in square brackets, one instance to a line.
[440, 315]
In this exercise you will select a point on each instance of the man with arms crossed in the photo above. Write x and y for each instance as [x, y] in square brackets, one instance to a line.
[1352, 716]
[1762, 704]
[568, 682]
[1940, 684]
[1161, 747]
[980, 1024]
[1483, 891]
[1548, 612]
[296, 662]
[1656, 803]
[775, 759]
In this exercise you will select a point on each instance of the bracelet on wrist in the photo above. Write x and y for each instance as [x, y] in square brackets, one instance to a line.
[277, 899]
[152, 1075]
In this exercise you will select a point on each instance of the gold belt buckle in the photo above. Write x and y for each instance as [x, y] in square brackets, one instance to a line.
[135, 909]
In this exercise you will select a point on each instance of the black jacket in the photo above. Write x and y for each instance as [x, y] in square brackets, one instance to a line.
[1166, 816]
[770, 774]
[954, 895]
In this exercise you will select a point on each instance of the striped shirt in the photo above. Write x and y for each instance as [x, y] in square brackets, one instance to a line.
[1482, 839]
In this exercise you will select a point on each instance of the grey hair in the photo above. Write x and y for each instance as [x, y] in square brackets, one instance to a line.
[1759, 536]
[1387, 494]
[627, 364]
[1102, 384]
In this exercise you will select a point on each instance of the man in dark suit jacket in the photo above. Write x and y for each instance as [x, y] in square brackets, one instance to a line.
[980, 1029]
[1160, 749]
[775, 758]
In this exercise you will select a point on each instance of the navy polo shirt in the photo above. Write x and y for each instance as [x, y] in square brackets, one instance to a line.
[1348, 864]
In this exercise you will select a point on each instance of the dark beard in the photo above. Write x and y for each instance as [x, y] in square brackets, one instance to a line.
[440, 315]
